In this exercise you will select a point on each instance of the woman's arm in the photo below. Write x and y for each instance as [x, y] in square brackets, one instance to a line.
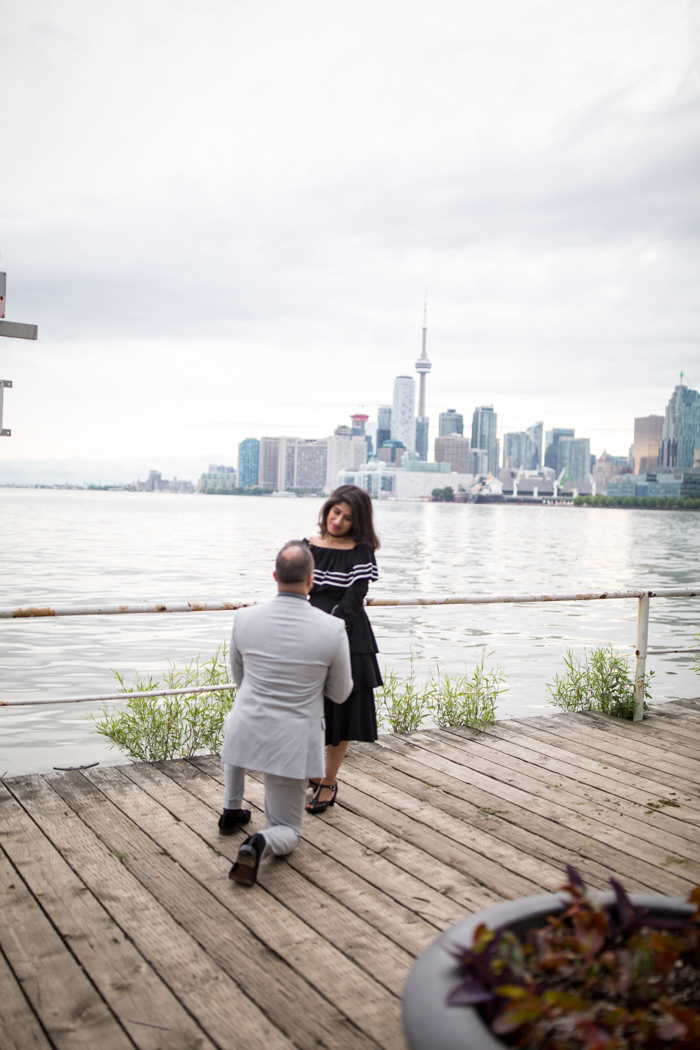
[351, 603]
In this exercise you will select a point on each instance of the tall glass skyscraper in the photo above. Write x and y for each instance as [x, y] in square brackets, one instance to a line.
[248, 458]
[551, 443]
[535, 433]
[484, 422]
[574, 458]
[450, 422]
[383, 425]
[403, 420]
[681, 429]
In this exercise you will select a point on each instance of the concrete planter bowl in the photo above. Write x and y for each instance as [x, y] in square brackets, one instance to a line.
[430, 1024]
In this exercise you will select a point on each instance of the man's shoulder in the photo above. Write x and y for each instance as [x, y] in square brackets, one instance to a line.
[302, 611]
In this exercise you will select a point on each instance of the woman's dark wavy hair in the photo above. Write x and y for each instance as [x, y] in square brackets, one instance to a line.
[362, 530]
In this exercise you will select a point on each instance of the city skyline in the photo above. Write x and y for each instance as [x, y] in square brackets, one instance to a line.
[223, 223]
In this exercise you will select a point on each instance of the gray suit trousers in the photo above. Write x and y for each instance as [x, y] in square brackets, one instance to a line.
[284, 807]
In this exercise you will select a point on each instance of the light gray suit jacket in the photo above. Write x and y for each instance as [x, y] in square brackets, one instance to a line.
[285, 656]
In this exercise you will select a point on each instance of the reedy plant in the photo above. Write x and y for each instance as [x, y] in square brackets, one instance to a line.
[403, 704]
[470, 700]
[157, 728]
[599, 680]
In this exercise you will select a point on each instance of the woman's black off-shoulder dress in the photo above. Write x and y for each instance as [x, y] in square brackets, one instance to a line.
[341, 580]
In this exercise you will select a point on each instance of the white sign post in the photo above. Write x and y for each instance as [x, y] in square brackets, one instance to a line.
[14, 331]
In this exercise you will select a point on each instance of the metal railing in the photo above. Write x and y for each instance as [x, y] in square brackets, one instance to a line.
[230, 605]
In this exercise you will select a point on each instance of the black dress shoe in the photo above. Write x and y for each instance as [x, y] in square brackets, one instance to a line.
[231, 819]
[245, 870]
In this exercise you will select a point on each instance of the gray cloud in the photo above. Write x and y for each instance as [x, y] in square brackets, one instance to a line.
[214, 209]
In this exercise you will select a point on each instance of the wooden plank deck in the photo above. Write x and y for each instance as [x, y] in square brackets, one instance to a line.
[119, 927]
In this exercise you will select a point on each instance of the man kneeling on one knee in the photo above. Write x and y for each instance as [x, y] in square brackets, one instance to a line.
[285, 657]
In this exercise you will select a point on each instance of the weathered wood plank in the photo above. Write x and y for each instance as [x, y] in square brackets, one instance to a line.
[19, 1027]
[550, 821]
[630, 816]
[634, 837]
[674, 729]
[366, 945]
[70, 1010]
[682, 820]
[437, 834]
[126, 871]
[470, 768]
[195, 874]
[684, 715]
[682, 751]
[637, 738]
[204, 988]
[626, 773]
[394, 843]
[540, 836]
[126, 982]
[615, 752]
[384, 862]
[345, 882]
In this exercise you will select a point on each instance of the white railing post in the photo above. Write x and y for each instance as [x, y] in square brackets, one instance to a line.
[642, 639]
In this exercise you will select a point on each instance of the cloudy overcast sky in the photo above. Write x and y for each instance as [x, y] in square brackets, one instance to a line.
[222, 214]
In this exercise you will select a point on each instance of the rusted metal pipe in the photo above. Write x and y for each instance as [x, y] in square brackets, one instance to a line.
[230, 605]
[118, 696]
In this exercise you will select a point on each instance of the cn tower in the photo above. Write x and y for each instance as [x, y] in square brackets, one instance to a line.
[423, 366]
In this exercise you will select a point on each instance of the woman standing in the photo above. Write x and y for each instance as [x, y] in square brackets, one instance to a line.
[344, 561]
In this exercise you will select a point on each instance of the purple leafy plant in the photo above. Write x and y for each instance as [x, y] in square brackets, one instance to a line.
[591, 978]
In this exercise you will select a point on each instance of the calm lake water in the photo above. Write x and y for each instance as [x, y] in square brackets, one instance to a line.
[70, 547]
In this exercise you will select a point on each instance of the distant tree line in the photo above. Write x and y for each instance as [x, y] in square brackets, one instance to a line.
[650, 502]
[446, 495]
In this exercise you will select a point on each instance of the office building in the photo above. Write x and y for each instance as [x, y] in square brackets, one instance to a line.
[453, 449]
[248, 463]
[605, 468]
[574, 459]
[536, 433]
[384, 481]
[345, 451]
[551, 445]
[218, 478]
[311, 464]
[661, 483]
[484, 422]
[391, 451]
[648, 433]
[450, 422]
[403, 420]
[680, 434]
[518, 450]
[287, 464]
[268, 462]
[383, 424]
[478, 461]
[302, 464]
[422, 436]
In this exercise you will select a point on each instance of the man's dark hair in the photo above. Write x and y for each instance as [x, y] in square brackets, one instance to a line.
[294, 563]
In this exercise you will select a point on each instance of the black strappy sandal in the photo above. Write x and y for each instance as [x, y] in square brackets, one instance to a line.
[314, 784]
[317, 806]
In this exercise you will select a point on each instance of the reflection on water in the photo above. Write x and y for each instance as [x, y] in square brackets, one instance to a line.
[85, 547]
